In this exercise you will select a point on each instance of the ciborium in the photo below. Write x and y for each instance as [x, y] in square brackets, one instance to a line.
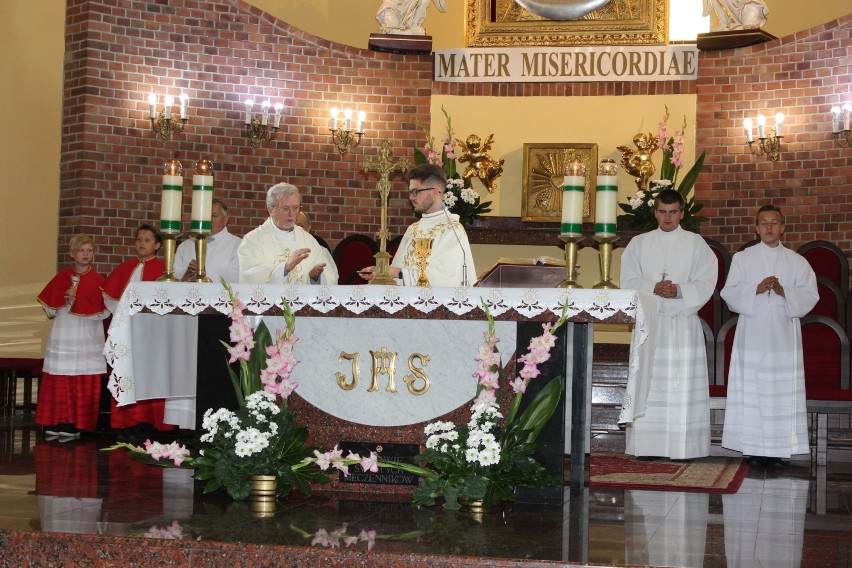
[422, 249]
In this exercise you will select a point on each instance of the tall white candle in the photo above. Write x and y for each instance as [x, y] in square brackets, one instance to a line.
[170, 206]
[202, 197]
[606, 199]
[573, 188]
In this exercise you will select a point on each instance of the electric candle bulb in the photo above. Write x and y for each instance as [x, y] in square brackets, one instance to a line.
[779, 120]
[184, 101]
[347, 115]
[835, 119]
[265, 117]
[333, 111]
[249, 104]
[152, 103]
[361, 116]
[747, 124]
[170, 100]
[847, 112]
[278, 107]
[761, 126]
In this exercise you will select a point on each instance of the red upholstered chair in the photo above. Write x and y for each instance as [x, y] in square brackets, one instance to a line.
[832, 303]
[351, 255]
[827, 260]
[724, 345]
[827, 384]
[393, 245]
[750, 243]
[715, 312]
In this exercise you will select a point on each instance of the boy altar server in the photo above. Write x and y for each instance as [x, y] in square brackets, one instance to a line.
[770, 287]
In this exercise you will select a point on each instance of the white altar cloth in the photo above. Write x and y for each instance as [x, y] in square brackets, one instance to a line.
[511, 304]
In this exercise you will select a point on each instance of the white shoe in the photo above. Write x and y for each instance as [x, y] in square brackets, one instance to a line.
[66, 436]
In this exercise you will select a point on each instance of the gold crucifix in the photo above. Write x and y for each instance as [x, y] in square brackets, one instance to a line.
[385, 166]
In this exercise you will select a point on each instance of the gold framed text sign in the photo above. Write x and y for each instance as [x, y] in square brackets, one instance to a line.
[504, 23]
[544, 170]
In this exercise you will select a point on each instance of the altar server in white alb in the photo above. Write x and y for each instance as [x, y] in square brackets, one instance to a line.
[221, 260]
[450, 262]
[770, 287]
[671, 417]
[279, 252]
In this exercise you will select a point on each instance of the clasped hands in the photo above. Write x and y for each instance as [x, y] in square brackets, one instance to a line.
[298, 256]
[770, 284]
[665, 289]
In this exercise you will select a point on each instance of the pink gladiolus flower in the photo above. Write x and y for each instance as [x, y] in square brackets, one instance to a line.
[369, 537]
[324, 461]
[519, 386]
[677, 150]
[370, 463]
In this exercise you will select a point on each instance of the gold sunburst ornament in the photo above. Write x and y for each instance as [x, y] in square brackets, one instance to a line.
[545, 165]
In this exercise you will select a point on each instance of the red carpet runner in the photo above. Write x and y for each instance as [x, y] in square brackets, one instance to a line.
[705, 475]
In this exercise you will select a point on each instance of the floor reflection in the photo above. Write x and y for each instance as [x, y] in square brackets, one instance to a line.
[797, 517]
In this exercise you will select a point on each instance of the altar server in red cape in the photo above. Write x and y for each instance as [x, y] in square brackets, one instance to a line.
[70, 386]
[144, 414]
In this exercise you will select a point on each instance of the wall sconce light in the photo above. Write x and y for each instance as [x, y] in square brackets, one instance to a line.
[345, 138]
[164, 123]
[769, 145]
[840, 124]
[257, 126]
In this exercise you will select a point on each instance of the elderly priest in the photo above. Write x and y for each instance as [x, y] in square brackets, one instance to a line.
[279, 252]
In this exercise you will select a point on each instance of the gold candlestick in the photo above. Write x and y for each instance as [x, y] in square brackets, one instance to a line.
[169, 244]
[571, 250]
[201, 258]
[605, 261]
[422, 248]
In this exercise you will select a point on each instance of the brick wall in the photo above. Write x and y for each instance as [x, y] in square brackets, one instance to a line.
[803, 76]
[220, 53]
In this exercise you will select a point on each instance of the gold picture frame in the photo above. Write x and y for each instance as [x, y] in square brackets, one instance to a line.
[503, 23]
[544, 168]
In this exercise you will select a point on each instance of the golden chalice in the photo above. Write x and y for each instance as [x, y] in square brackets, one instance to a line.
[422, 248]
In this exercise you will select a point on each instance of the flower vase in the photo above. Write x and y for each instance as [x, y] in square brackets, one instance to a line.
[262, 495]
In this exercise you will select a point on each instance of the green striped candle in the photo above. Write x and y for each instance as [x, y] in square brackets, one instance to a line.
[606, 197]
[202, 197]
[573, 188]
[170, 204]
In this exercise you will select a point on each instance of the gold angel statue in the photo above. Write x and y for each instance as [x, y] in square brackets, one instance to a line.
[638, 162]
[480, 164]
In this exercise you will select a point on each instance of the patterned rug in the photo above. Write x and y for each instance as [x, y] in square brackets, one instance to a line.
[705, 475]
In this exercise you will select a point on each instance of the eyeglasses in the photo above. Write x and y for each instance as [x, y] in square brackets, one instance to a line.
[413, 192]
[288, 209]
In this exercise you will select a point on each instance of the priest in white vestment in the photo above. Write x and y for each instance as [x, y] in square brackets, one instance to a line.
[450, 262]
[770, 287]
[279, 252]
[671, 414]
[221, 258]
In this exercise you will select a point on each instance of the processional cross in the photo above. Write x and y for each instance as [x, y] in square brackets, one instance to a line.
[385, 166]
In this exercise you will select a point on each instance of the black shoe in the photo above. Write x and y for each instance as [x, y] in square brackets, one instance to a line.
[755, 461]
[774, 463]
[686, 460]
[647, 458]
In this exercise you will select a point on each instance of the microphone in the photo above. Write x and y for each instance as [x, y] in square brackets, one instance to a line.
[461, 246]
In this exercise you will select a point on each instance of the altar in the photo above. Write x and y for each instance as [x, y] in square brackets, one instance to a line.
[153, 347]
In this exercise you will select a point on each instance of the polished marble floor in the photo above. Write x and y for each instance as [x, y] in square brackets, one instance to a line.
[798, 516]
